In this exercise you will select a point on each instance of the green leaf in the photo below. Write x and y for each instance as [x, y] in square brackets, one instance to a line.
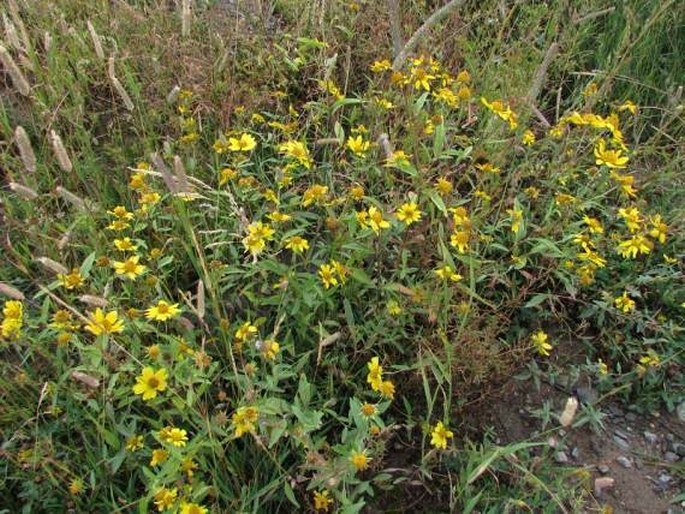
[290, 494]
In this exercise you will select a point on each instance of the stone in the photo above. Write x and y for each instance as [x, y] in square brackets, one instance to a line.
[603, 469]
[680, 449]
[631, 416]
[603, 483]
[671, 457]
[561, 457]
[621, 442]
[575, 453]
[586, 395]
[624, 461]
[651, 437]
[680, 411]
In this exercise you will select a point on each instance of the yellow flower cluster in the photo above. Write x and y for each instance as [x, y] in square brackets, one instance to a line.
[375, 378]
[12, 319]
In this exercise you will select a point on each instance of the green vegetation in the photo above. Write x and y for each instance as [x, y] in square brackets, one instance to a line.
[249, 266]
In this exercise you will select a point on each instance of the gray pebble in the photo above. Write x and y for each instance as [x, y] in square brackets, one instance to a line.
[586, 395]
[680, 449]
[651, 437]
[561, 457]
[603, 469]
[631, 416]
[575, 453]
[622, 443]
[671, 457]
[624, 461]
[680, 411]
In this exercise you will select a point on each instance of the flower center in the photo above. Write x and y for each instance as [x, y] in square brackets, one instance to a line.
[153, 383]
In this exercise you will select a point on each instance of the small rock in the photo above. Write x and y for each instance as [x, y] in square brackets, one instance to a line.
[621, 433]
[631, 416]
[586, 395]
[624, 461]
[665, 478]
[603, 483]
[680, 411]
[561, 457]
[575, 453]
[638, 463]
[680, 449]
[651, 437]
[671, 457]
[552, 442]
[621, 442]
[603, 469]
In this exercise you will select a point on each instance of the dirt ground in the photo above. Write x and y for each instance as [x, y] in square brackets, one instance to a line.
[643, 454]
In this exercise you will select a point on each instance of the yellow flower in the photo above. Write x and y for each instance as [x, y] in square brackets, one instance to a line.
[593, 224]
[125, 245]
[409, 213]
[188, 466]
[503, 111]
[100, 323]
[149, 198]
[358, 145]
[359, 460]
[516, 219]
[278, 217]
[376, 221]
[447, 96]
[532, 191]
[564, 199]
[447, 273]
[635, 246]
[297, 244]
[322, 501]
[159, 456]
[421, 79]
[163, 311]
[120, 212]
[76, 487]
[130, 268]
[226, 175]
[528, 138]
[460, 240]
[397, 159]
[650, 360]
[118, 225]
[602, 368]
[176, 437]
[443, 186]
[628, 106]
[314, 194]
[387, 389]
[375, 375]
[245, 331]
[624, 303]
[297, 151]
[393, 308]
[327, 274]
[14, 310]
[609, 158]
[165, 498]
[539, 340]
[659, 228]
[244, 419]
[71, 280]
[254, 244]
[379, 66]
[137, 181]
[244, 143]
[192, 508]
[439, 435]
[631, 217]
[134, 443]
[269, 348]
[488, 167]
[368, 409]
[150, 382]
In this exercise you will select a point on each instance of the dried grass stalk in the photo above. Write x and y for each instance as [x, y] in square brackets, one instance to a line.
[186, 18]
[51, 265]
[85, 379]
[25, 149]
[21, 190]
[60, 152]
[11, 292]
[118, 87]
[19, 24]
[168, 178]
[93, 301]
[11, 33]
[97, 43]
[71, 198]
[173, 95]
[200, 299]
[47, 41]
[422, 31]
[181, 177]
[18, 78]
